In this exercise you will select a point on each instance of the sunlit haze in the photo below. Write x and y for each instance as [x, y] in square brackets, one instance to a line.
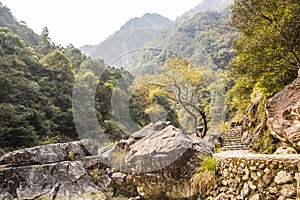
[91, 21]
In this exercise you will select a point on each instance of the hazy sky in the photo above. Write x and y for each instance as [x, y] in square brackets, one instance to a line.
[82, 22]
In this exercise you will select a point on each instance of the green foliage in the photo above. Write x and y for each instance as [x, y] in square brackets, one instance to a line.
[208, 164]
[269, 48]
[179, 87]
[265, 143]
[204, 38]
[36, 92]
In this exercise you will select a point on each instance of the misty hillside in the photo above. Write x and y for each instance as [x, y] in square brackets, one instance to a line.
[20, 28]
[205, 38]
[133, 35]
[208, 5]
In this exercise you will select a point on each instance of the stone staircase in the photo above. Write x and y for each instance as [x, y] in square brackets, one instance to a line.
[231, 140]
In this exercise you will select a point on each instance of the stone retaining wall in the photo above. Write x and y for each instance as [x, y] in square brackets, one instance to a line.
[257, 176]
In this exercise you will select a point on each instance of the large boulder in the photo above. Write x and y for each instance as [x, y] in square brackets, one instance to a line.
[50, 153]
[283, 114]
[48, 172]
[161, 160]
[156, 162]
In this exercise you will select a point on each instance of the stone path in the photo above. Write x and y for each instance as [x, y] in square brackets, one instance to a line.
[232, 139]
[248, 155]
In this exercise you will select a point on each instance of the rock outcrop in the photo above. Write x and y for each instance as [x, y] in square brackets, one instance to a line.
[49, 171]
[155, 163]
[283, 114]
[160, 159]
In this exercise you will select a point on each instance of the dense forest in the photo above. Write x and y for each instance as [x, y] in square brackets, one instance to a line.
[37, 79]
[248, 49]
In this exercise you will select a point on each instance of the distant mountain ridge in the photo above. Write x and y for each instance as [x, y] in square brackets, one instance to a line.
[208, 5]
[122, 48]
[132, 35]
[20, 28]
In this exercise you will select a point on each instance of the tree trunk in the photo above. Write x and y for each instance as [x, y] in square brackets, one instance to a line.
[203, 134]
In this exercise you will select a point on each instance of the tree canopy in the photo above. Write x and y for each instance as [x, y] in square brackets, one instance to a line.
[269, 47]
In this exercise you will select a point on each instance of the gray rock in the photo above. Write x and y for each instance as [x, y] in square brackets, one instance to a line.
[51, 153]
[161, 158]
[273, 190]
[285, 150]
[252, 186]
[51, 181]
[154, 147]
[245, 191]
[49, 172]
[288, 190]
[283, 111]
[283, 177]
[255, 197]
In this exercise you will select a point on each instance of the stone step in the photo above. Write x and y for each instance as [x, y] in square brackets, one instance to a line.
[235, 147]
[231, 143]
[230, 138]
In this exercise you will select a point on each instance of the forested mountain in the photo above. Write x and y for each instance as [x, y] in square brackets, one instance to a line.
[131, 36]
[206, 38]
[37, 79]
[251, 50]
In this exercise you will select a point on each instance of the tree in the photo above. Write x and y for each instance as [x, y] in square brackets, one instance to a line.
[269, 47]
[184, 86]
[44, 42]
[57, 84]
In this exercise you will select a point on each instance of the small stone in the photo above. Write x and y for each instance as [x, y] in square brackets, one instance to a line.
[297, 176]
[266, 179]
[252, 186]
[245, 191]
[285, 150]
[260, 186]
[281, 198]
[288, 190]
[283, 177]
[242, 165]
[240, 170]
[261, 166]
[280, 166]
[234, 170]
[273, 190]
[255, 197]
[254, 176]
[253, 168]
[246, 171]
[232, 175]
[224, 182]
[226, 173]
[245, 177]
[259, 174]
[231, 190]
[267, 171]
[237, 179]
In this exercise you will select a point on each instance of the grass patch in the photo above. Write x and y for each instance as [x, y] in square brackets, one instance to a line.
[204, 178]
